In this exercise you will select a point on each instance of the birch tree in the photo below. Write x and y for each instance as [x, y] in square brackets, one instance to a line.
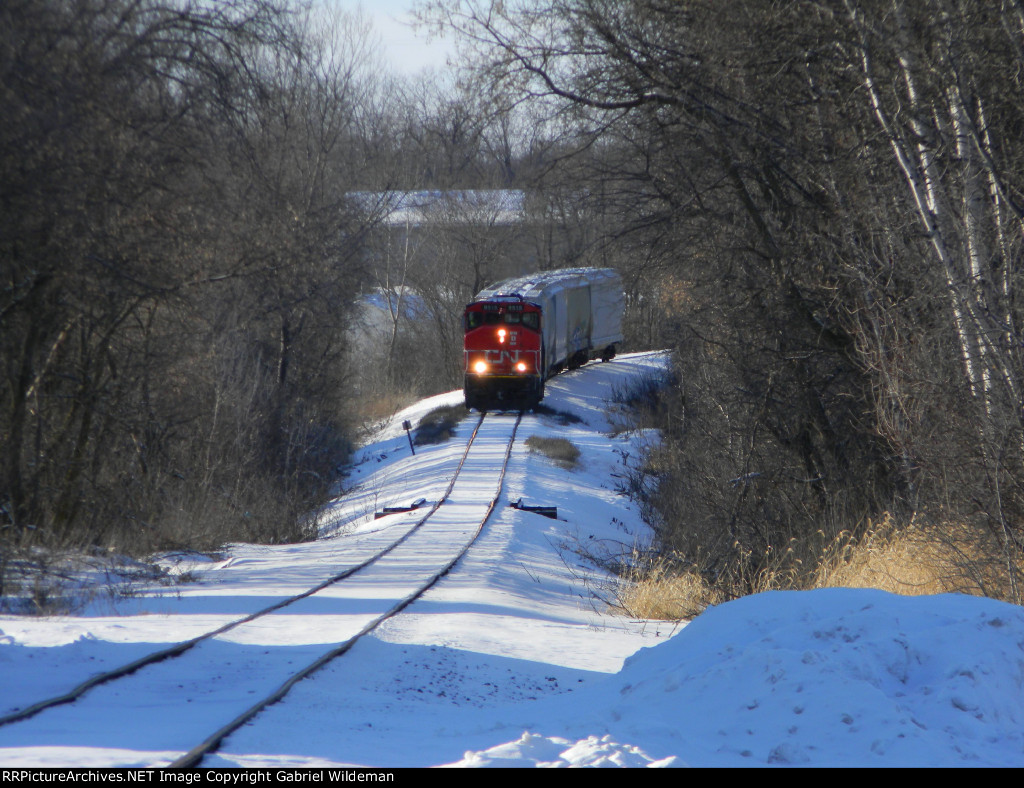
[826, 196]
[942, 82]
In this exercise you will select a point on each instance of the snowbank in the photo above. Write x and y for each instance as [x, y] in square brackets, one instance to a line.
[834, 677]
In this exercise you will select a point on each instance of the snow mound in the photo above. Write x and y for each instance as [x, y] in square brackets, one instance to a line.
[556, 752]
[834, 677]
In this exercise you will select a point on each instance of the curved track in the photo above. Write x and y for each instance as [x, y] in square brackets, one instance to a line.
[405, 569]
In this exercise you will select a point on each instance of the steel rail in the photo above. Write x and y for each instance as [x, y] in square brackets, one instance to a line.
[180, 648]
[194, 757]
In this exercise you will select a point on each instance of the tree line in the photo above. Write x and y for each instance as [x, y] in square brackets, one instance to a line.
[194, 198]
[816, 205]
[821, 201]
[178, 255]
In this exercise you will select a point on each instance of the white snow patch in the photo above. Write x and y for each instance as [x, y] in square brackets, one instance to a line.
[511, 660]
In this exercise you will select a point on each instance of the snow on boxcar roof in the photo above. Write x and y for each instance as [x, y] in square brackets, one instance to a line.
[535, 283]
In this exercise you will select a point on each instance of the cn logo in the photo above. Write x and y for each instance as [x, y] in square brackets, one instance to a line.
[499, 357]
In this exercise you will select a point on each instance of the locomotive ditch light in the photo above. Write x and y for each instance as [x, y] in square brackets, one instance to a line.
[521, 366]
[480, 367]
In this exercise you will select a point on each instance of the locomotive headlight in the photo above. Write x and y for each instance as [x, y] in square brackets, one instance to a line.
[501, 335]
[521, 366]
[480, 367]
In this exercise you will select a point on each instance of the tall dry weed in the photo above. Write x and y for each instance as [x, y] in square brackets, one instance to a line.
[916, 559]
[919, 559]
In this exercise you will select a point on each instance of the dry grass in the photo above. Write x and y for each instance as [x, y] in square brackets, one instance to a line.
[667, 589]
[919, 559]
[914, 560]
[663, 594]
[439, 425]
[563, 452]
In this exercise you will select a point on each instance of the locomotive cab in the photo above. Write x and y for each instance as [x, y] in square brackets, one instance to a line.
[520, 332]
[503, 354]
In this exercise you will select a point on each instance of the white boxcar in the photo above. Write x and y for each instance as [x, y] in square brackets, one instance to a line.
[581, 312]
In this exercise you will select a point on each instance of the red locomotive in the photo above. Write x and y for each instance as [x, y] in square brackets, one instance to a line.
[520, 332]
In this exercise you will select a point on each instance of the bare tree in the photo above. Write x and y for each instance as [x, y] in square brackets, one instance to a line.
[937, 78]
[735, 155]
[175, 249]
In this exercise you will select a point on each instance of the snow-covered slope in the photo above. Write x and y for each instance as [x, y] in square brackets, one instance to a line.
[826, 678]
[513, 659]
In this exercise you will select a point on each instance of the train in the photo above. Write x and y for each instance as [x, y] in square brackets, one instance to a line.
[521, 331]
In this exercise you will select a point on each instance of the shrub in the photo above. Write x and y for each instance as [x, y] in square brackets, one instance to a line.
[438, 425]
[563, 452]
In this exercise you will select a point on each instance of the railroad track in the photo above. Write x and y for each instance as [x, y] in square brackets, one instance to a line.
[406, 568]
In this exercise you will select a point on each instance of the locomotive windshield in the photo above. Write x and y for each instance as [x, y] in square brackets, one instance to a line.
[474, 319]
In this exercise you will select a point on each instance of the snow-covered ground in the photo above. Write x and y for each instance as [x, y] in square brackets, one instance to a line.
[513, 658]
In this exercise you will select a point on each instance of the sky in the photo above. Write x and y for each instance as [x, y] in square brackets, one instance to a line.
[408, 51]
